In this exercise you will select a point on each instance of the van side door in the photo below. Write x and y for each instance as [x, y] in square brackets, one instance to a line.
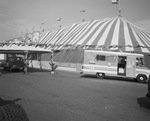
[131, 64]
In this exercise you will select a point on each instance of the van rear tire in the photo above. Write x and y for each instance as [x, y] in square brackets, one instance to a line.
[141, 78]
[100, 75]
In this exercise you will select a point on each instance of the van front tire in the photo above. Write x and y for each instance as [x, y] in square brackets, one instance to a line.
[100, 75]
[141, 78]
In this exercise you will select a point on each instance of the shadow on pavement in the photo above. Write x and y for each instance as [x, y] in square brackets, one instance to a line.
[10, 111]
[30, 70]
[144, 102]
[5, 102]
[110, 78]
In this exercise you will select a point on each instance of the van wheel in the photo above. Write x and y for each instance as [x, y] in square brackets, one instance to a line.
[100, 75]
[141, 78]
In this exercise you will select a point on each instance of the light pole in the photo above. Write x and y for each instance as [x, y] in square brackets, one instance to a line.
[59, 20]
[26, 37]
[119, 11]
[82, 12]
[119, 6]
[41, 27]
[41, 30]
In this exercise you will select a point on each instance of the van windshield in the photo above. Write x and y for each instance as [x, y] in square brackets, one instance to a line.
[140, 62]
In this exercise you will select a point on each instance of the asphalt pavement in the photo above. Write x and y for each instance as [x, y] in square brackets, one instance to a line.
[68, 96]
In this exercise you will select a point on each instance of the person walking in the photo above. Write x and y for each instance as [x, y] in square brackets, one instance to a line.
[53, 67]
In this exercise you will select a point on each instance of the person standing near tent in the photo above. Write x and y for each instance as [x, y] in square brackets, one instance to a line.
[53, 67]
[52, 64]
[25, 66]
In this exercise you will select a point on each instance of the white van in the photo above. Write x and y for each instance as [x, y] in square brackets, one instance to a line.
[103, 63]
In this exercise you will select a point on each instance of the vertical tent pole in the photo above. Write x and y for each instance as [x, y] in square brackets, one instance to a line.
[26, 62]
[119, 9]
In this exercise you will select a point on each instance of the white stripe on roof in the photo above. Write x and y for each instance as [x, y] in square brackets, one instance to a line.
[87, 35]
[74, 32]
[48, 39]
[63, 38]
[79, 32]
[90, 25]
[44, 37]
[128, 40]
[139, 42]
[58, 35]
[97, 33]
[115, 38]
[105, 34]
[143, 36]
[67, 38]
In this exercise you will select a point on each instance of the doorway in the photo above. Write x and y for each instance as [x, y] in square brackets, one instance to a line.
[121, 69]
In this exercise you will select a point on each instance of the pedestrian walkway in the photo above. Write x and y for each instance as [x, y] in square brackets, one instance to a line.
[67, 69]
[60, 68]
[46, 66]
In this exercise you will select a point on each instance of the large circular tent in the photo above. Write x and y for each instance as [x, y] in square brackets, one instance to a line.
[109, 33]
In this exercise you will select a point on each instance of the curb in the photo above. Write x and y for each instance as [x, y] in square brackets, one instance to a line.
[67, 69]
[60, 68]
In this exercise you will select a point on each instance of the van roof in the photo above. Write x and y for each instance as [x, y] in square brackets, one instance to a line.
[115, 53]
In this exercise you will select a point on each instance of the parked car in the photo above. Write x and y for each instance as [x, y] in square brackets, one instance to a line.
[2, 63]
[13, 63]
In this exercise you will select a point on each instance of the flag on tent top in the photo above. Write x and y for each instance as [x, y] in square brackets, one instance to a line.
[82, 11]
[58, 19]
[115, 1]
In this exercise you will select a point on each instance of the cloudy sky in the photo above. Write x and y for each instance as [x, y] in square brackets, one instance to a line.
[18, 17]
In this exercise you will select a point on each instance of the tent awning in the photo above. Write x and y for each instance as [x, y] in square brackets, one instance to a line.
[22, 49]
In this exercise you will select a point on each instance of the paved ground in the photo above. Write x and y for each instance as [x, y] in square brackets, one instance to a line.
[67, 96]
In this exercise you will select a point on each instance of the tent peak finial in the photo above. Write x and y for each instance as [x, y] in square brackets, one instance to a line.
[119, 15]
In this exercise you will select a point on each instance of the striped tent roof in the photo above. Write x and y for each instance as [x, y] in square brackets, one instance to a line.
[112, 33]
[51, 37]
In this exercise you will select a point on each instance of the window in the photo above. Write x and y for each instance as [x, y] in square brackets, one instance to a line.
[140, 62]
[100, 57]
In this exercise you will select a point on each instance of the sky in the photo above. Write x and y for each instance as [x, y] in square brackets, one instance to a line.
[18, 17]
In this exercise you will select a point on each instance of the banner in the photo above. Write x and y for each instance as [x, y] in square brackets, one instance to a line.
[58, 19]
[29, 37]
[36, 36]
[115, 1]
